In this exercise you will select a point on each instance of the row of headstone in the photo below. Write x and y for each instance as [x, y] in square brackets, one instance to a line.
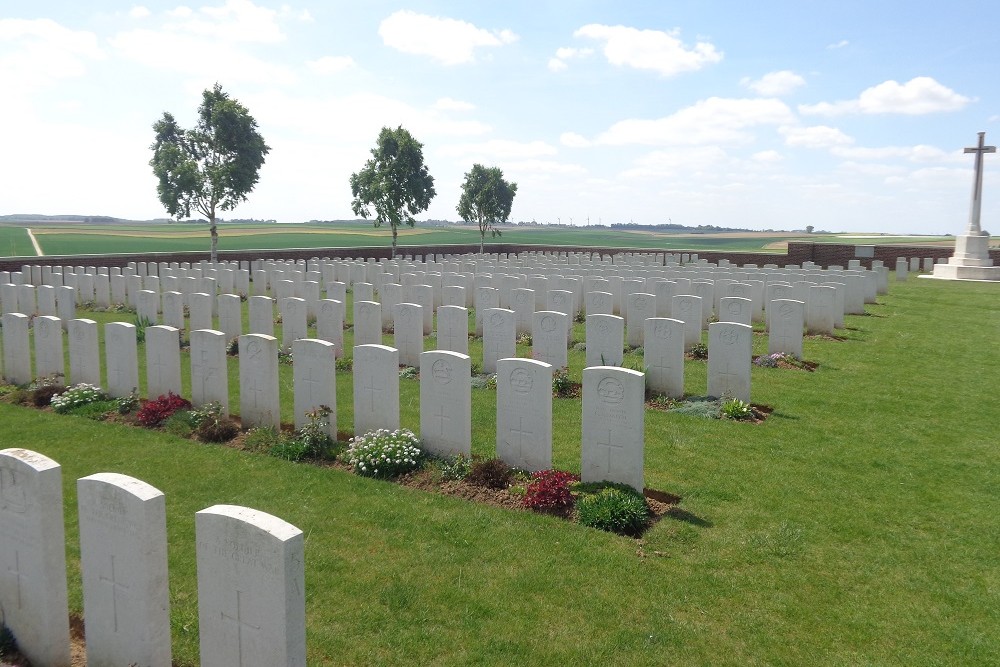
[251, 575]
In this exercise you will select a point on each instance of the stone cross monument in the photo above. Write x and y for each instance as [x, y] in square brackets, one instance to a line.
[971, 260]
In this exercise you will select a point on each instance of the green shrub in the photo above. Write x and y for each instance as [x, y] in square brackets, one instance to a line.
[409, 373]
[94, 410]
[699, 351]
[735, 409]
[76, 396]
[314, 434]
[491, 473]
[127, 404]
[615, 509]
[210, 425]
[707, 408]
[561, 384]
[289, 449]
[261, 439]
[384, 453]
[141, 324]
[344, 364]
[454, 467]
[179, 424]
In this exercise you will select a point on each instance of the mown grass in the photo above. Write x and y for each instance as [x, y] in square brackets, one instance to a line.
[857, 525]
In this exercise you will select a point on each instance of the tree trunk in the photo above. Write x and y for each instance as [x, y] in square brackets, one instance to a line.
[214, 254]
[482, 242]
[394, 241]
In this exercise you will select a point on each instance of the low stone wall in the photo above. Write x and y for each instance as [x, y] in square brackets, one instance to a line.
[822, 254]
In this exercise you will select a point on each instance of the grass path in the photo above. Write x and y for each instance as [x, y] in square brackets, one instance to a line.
[858, 525]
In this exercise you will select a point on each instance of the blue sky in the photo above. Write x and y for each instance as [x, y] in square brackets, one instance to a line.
[849, 116]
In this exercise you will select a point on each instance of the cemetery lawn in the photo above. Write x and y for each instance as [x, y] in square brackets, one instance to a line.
[858, 524]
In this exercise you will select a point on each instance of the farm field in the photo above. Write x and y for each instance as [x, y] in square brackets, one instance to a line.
[856, 525]
[65, 239]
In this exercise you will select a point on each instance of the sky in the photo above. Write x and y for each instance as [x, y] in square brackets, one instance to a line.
[847, 116]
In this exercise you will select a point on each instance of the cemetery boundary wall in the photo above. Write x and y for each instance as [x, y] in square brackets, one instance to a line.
[821, 254]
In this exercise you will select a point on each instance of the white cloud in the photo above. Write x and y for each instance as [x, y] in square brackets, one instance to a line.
[558, 62]
[449, 104]
[331, 64]
[817, 136]
[41, 52]
[677, 162]
[574, 140]
[655, 50]
[767, 157]
[236, 21]
[449, 41]
[774, 84]
[837, 45]
[921, 95]
[712, 121]
[918, 153]
[138, 12]
[496, 149]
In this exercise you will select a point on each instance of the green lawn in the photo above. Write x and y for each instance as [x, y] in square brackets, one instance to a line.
[858, 525]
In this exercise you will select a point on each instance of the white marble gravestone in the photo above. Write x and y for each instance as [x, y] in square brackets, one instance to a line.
[163, 361]
[485, 297]
[376, 388]
[251, 588]
[663, 356]
[549, 336]
[200, 310]
[729, 357]
[66, 304]
[16, 348]
[230, 315]
[209, 376]
[786, 327]
[120, 359]
[408, 335]
[49, 359]
[173, 309]
[498, 337]
[687, 308]
[605, 340]
[259, 398]
[639, 306]
[123, 559]
[453, 329]
[84, 354]
[524, 413]
[293, 320]
[599, 303]
[261, 315]
[445, 403]
[149, 305]
[33, 556]
[314, 380]
[736, 309]
[613, 441]
[523, 304]
[367, 323]
[820, 311]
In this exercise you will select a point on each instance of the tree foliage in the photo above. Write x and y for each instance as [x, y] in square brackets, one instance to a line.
[487, 199]
[394, 184]
[211, 167]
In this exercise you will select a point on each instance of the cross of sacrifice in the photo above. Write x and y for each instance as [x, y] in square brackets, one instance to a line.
[977, 184]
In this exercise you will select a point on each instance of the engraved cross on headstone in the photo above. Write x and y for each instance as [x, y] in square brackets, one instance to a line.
[16, 571]
[371, 390]
[115, 586]
[442, 418]
[520, 431]
[240, 624]
[611, 446]
[977, 184]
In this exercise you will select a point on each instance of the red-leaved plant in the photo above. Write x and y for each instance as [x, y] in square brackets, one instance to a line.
[549, 489]
[154, 413]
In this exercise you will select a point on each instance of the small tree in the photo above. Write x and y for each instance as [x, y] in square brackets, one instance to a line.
[394, 184]
[212, 167]
[486, 198]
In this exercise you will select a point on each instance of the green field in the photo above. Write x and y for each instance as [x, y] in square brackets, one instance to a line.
[858, 525]
[112, 239]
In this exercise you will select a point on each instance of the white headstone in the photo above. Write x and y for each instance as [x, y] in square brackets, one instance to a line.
[820, 313]
[612, 446]
[785, 334]
[605, 340]
[84, 354]
[120, 359]
[123, 559]
[259, 398]
[663, 356]
[729, 356]
[16, 348]
[408, 335]
[33, 556]
[523, 305]
[293, 320]
[453, 329]
[524, 413]
[445, 403]
[687, 309]
[367, 323]
[163, 361]
[200, 310]
[639, 307]
[736, 309]
[376, 388]
[599, 303]
[330, 323]
[230, 315]
[549, 335]
[498, 337]
[209, 375]
[314, 380]
[49, 359]
[251, 588]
